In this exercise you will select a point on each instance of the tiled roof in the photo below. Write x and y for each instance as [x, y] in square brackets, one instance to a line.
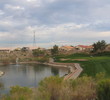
[84, 46]
[68, 47]
[33, 48]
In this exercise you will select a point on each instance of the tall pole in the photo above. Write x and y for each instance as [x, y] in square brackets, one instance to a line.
[34, 39]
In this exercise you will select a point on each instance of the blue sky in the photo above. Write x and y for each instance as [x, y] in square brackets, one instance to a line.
[61, 22]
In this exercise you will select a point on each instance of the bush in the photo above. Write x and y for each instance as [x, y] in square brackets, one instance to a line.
[55, 88]
[50, 88]
[103, 90]
[19, 93]
[83, 88]
[38, 52]
[105, 53]
[43, 59]
[5, 61]
[12, 59]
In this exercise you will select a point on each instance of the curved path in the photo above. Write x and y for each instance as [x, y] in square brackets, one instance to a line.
[75, 72]
[74, 69]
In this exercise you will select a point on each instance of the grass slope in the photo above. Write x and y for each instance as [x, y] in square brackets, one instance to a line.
[92, 66]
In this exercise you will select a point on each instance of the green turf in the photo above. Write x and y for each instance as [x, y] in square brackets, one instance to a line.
[94, 65]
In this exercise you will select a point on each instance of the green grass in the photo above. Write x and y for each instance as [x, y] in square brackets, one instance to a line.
[93, 65]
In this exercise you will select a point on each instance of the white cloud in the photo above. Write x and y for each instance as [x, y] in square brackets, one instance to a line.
[35, 3]
[63, 34]
[7, 6]
[2, 12]
[31, 0]
[55, 21]
[51, 1]
[104, 34]
[3, 34]
[6, 23]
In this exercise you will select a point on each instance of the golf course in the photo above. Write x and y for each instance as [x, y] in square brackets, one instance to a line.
[91, 65]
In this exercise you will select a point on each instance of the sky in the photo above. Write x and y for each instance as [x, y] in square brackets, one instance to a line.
[61, 22]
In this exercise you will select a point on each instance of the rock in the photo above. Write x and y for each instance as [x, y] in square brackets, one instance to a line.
[1, 73]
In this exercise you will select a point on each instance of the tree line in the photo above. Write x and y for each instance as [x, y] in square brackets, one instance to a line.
[98, 47]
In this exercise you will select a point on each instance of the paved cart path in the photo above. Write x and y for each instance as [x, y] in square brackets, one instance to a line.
[75, 72]
[74, 69]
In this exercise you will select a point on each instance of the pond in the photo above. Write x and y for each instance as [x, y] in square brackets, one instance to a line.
[28, 75]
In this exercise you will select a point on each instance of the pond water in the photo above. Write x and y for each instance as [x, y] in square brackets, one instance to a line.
[28, 75]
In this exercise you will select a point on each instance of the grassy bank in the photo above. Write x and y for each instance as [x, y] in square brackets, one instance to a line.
[91, 64]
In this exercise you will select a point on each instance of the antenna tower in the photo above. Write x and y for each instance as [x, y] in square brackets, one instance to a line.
[34, 39]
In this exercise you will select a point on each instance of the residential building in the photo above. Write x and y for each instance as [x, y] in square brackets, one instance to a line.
[84, 48]
[5, 50]
[25, 49]
[67, 48]
[107, 48]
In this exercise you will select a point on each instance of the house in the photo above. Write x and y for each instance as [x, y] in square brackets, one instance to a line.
[107, 48]
[17, 49]
[67, 48]
[84, 48]
[25, 49]
[5, 50]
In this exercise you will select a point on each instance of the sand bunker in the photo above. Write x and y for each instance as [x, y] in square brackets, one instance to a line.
[74, 59]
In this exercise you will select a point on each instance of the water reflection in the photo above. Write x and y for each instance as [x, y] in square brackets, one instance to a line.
[55, 71]
[1, 88]
[27, 74]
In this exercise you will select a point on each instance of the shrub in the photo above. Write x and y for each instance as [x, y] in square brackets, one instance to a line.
[38, 52]
[5, 61]
[105, 53]
[50, 88]
[19, 93]
[42, 59]
[83, 88]
[55, 88]
[103, 90]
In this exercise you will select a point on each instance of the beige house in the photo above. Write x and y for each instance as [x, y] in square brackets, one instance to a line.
[107, 48]
[5, 50]
[17, 49]
[67, 48]
[84, 48]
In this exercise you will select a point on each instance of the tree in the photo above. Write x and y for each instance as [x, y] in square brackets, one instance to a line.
[38, 52]
[19, 93]
[54, 51]
[99, 46]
